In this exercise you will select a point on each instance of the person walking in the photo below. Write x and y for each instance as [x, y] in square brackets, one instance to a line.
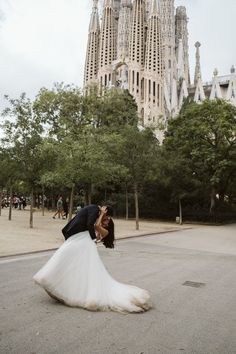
[59, 211]
[65, 208]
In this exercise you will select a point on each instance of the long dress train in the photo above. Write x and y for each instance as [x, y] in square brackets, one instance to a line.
[76, 276]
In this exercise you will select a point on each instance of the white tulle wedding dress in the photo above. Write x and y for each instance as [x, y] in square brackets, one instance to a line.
[76, 276]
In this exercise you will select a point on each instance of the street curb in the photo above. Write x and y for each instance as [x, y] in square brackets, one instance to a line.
[118, 239]
[153, 233]
[27, 253]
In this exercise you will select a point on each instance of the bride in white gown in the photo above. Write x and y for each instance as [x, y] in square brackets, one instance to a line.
[76, 276]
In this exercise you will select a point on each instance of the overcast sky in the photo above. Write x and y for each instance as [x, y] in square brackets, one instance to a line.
[44, 41]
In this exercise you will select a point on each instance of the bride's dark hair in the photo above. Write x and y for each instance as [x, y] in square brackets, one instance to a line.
[108, 241]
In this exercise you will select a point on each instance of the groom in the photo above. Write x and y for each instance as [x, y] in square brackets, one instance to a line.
[84, 220]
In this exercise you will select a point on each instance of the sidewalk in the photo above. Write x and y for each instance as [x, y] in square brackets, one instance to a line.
[17, 238]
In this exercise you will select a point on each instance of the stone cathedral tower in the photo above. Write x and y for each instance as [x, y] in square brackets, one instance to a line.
[142, 46]
[92, 56]
[181, 40]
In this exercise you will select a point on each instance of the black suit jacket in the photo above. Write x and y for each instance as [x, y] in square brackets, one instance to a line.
[84, 220]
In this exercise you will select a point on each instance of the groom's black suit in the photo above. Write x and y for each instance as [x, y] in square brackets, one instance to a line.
[84, 220]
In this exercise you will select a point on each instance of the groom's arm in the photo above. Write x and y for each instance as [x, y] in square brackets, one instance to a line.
[91, 219]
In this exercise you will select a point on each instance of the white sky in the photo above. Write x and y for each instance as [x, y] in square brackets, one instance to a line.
[44, 41]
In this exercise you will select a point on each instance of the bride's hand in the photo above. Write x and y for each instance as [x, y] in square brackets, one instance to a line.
[103, 210]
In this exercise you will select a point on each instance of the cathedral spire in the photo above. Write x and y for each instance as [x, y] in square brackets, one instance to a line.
[168, 35]
[108, 34]
[180, 61]
[155, 7]
[231, 93]
[137, 37]
[199, 95]
[108, 3]
[198, 65]
[91, 62]
[153, 55]
[124, 29]
[181, 35]
[153, 74]
[108, 44]
[126, 3]
[94, 21]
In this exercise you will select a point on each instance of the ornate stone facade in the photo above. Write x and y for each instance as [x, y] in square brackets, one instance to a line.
[142, 46]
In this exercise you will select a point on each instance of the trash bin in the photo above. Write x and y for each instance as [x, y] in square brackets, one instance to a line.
[177, 219]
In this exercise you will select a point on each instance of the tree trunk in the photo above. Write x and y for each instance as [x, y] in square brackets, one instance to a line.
[10, 204]
[71, 202]
[43, 206]
[89, 199]
[53, 201]
[88, 194]
[105, 196]
[126, 204]
[1, 194]
[213, 200]
[37, 200]
[31, 208]
[180, 212]
[136, 206]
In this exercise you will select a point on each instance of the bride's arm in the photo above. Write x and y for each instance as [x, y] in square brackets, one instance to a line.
[98, 225]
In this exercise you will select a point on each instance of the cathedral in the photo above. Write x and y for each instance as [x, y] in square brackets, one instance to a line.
[142, 46]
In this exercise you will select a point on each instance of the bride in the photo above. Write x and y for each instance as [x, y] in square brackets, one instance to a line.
[76, 276]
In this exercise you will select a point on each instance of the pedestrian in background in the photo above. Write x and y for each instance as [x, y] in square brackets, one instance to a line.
[65, 208]
[59, 211]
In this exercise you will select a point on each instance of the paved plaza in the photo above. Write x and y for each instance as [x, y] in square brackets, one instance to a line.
[16, 237]
[189, 271]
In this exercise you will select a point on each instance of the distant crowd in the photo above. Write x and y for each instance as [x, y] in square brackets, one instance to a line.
[62, 204]
[18, 202]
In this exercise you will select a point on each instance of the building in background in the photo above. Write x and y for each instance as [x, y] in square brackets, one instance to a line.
[142, 46]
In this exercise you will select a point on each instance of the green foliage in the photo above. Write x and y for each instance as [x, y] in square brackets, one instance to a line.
[23, 137]
[111, 111]
[82, 128]
[61, 110]
[202, 140]
[65, 139]
[8, 167]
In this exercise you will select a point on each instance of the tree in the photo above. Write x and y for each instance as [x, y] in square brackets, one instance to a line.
[23, 134]
[204, 138]
[60, 108]
[175, 173]
[80, 126]
[111, 111]
[137, 151]
[9, 174]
